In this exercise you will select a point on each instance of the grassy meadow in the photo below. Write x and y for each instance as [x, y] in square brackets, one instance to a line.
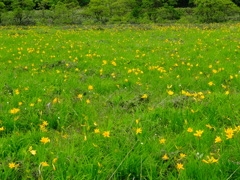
[120, 102]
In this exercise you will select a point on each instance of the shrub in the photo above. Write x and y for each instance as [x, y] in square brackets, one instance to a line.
[209, 11]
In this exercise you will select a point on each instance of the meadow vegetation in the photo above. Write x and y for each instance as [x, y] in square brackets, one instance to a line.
[89, 12]
[120, 102]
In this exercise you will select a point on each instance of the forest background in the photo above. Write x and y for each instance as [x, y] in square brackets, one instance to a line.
[87, 12]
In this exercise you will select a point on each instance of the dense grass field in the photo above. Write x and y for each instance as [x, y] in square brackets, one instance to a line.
[123, 102]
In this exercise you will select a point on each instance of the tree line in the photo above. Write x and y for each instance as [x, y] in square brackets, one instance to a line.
[32, 12]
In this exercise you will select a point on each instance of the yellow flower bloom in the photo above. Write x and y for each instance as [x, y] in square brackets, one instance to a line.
[45, 140]
[44, 164]
[33, 152]
[211, 83]
[162, 141]
[218, 139]
[165, 157]
[80, 96]
[90, 87]
[104, 62]
[96, 130]
[2, 128]
[229, 131]
[55, 100]
[210, 160]
[189, 130]
[138, 130]
[88, 101]
[137, 121]
[14, 110]
[17, 91]
[182, 155]
[144, 96]
[198, 133]
[106, 133]
[229, 136]
[209, 126]
[54, 160]
[13, 165]
[45, 123]
[179, 166]
[170, 93]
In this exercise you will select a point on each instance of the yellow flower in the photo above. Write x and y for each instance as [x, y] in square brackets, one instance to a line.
[104, 62]
[182, 155]
[2, 128]
[17, 91]
[106, 133]
[198, 133]
[114, 63]
[45, 123]
[55, 100]
[170, 92]
[229, 131]
[237, 128]
[210, 160]
[88, 101]
[54, 160]
[218, 139]
[90, 87]
[179, 166]
[209, 126]
[137, 121]
[32, 104]
[45, 140]
[20, 103]
[33, 152]
[96, 130]
[80, 96]
[211, 83]
[44, 164]
[189, 130]
[13, 165]
[138, 130]
[229, 136]
[162, 141]
[144, 96]
[165, 157]
[14, 110]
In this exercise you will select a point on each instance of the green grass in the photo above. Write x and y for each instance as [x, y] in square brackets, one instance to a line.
[160, 80]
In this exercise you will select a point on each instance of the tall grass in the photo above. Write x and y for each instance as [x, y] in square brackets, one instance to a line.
[136, 102]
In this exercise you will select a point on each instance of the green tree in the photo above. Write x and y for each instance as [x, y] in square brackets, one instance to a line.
[214, 10]
[100, 9]
[23, 4]
[83, 2]
[121, 10]
[237, 2]
[2, 6]
[19, 7]
[64, 13]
